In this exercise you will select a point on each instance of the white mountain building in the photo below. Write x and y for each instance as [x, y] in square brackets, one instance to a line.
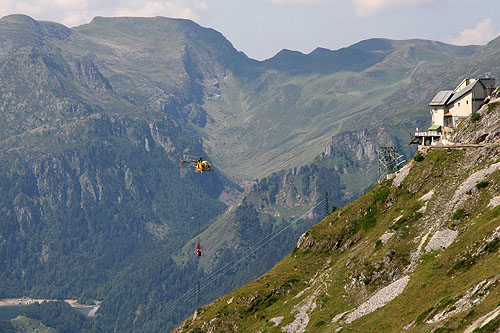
[449, 107]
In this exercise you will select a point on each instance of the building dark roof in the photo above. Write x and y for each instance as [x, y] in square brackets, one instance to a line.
[447, 97]
[441, 98]
[465, 91]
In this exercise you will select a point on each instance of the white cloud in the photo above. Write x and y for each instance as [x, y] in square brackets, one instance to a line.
[6, 7]
[258, 18]
[72, 19]
[202, 5]
[27, 8]
[163, 8]
[484, 32]
[68, 4]
[366, 8]
[75, 12]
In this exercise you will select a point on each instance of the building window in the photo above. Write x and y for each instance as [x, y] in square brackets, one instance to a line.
[466, 102]
[458, 103]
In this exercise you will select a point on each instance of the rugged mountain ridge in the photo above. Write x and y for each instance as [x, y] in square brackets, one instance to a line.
[417, 253]
[357, 57]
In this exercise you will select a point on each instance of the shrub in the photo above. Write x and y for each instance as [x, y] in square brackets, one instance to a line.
[482, 184]
[423, 316]
[459, 214]
[475, 117]
[493, 245]
[369, 220]
[443, 330]
[492, 106]
[381, 195]
[418, 157]
[319, 323]
[463, 265]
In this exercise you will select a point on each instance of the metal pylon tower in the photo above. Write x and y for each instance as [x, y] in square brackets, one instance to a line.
[389, 161]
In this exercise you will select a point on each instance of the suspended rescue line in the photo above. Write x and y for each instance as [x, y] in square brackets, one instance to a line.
[199, 165]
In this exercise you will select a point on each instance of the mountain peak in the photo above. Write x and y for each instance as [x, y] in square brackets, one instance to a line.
[374, 44]
[146, 21]
[18, 18]
[23, 30]
[321, 51]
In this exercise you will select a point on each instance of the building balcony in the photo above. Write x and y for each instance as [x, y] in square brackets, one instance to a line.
[428, 133]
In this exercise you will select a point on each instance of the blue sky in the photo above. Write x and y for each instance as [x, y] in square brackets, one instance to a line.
[261, 28]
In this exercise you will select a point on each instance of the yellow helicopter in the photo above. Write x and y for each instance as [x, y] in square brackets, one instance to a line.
[199, 164]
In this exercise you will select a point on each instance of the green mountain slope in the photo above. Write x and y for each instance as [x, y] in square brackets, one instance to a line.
[418, 252]
[285, 112]
[164, 64]
[254, 117]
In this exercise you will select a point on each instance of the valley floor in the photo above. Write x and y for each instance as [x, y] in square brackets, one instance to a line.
[27, 301]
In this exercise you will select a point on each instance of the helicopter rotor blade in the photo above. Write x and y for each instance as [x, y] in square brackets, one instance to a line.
[191, 157]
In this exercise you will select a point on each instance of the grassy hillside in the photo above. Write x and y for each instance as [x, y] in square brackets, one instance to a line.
[418, 252]
[283, 113]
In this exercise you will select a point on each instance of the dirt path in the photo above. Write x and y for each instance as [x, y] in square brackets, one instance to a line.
[22, 301]
[455, 146]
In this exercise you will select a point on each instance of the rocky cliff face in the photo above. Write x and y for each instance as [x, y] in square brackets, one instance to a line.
[333, 171]
[430, 234]
[103, 182]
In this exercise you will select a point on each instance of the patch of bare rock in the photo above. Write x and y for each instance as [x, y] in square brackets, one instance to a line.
[402, 173]
[381, 298]
[460, 195]
[474, 295]
[441, 240]
[301, 320]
